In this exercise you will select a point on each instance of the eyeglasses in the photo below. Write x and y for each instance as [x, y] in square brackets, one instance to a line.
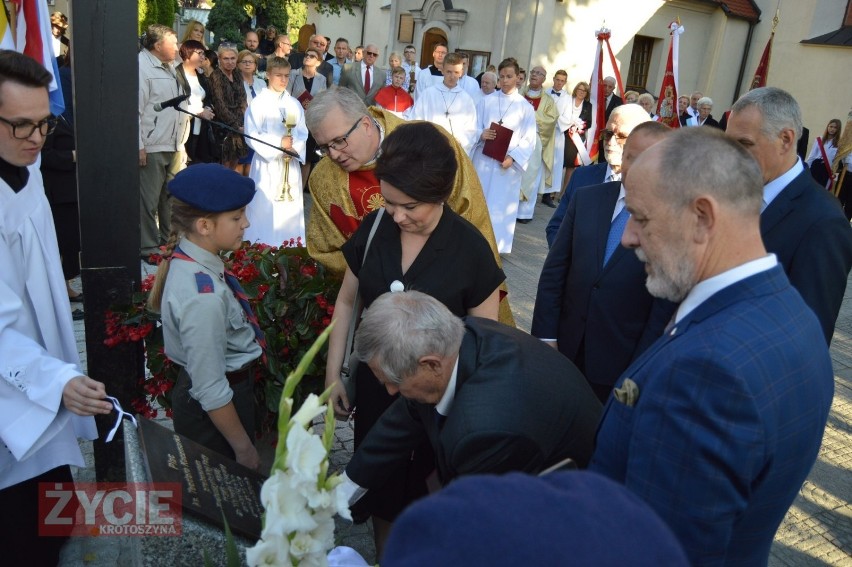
[338, 144]
[371, 54]
[247, 62]
[310, 55]
[24, 129]
[608, 134]
[200, 54]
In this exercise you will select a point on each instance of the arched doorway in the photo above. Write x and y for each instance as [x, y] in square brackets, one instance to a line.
[430, 38]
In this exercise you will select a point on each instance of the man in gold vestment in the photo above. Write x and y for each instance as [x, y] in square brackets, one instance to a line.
[343, 186]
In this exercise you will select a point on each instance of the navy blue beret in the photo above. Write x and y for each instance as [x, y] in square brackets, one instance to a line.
[212, 187]
[566, 518]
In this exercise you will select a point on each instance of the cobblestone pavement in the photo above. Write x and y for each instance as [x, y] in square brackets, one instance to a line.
[817, 530]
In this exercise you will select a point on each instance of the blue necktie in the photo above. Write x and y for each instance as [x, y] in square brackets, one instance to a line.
[253, 94]
[616, 229]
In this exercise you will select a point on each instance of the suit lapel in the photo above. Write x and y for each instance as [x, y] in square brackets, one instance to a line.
[783, 204]
[445, 438]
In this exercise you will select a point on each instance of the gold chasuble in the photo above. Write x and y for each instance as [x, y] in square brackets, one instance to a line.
[546, 115]
[342, 199]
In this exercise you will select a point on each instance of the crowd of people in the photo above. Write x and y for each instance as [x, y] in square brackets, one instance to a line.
[679, 344]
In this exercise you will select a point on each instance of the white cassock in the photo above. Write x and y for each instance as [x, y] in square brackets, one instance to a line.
[452, 109]
[502, 187]
[471, 87]
[563, 106]
[38, 350]
[426, 79]
[273, 221]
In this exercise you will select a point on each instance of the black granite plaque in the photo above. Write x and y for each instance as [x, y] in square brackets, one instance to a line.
[212, 483]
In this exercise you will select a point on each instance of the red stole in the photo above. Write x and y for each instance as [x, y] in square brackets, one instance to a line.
[366, 196]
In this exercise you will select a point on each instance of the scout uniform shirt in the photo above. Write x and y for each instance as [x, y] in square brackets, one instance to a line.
[205, 329]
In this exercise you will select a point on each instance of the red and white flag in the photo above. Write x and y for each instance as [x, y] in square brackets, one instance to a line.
[598, 95]
[667, 103]
[35, 40]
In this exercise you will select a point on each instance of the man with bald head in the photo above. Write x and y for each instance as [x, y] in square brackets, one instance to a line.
[801, 222]
[621, 122]
[718, 423]
[612, 100]
[592, 304]
[364, 77]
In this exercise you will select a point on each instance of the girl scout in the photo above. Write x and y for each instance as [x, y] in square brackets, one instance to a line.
[209, 329]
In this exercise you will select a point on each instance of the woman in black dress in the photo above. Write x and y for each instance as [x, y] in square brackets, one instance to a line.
[419, 244]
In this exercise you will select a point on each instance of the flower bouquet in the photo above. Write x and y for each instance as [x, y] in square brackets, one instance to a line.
[300, 498]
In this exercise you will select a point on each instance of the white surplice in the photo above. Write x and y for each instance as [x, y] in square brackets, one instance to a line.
[563, 104]
[38, 350]
[452, 109]
[502, 187]
[273, 221]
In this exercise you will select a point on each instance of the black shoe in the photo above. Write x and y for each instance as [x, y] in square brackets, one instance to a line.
[524, 221]
[76, 299]
[547, 201]
[78, 315]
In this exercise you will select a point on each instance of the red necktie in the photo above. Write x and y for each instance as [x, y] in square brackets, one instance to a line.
[367, 80]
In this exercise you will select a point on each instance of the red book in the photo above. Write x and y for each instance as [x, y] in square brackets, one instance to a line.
[306, 96]
[499, 146]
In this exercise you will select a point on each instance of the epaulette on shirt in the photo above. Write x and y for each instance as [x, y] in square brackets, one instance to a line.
[203, 282]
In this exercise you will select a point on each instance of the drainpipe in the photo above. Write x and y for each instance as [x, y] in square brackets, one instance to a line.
[746, 49]
[363, 22]
[532, 37]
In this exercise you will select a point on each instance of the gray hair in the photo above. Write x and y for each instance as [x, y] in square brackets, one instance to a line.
[731, 174]
[493, 76]
[155, 33]
[400, 328]
[647, 96]
[343, 98]
[778, 108]
[704, 100]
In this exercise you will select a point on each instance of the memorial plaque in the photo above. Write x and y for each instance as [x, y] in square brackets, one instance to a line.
[212, 483]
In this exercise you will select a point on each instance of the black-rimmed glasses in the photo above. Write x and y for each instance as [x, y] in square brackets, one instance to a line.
[608, 134]
[24, 129]
[340, 143]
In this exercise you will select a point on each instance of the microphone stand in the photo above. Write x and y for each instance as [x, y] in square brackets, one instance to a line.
[224, 126]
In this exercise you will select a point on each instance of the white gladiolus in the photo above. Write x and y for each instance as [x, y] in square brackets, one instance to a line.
[273, 549]
[305, 454]
[310, 409]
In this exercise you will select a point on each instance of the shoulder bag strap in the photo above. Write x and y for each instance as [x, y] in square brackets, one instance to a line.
[356, 306]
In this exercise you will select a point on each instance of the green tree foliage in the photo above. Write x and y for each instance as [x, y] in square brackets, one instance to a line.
[147, 14]
[226, 20]
[166, 12]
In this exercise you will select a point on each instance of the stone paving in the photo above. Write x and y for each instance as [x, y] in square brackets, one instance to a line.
[817, 530]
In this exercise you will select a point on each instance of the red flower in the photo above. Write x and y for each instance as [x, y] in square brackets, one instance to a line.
[148, 282]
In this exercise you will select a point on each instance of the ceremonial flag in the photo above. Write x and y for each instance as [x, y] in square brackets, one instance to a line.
[762, 71]
[667, 103]
[7, 40]
[598, 96]
[35, 40]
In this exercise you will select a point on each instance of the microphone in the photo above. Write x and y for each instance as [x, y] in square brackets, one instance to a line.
[171, 103]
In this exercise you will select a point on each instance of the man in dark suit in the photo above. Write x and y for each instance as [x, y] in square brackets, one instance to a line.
[489, 398]
[801, 223]
[718, 423]
[618, 127]
[612, 100]
[364, 77]
[592, 304]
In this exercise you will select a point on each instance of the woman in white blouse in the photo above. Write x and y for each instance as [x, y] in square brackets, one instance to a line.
[815, 161]
[199, 143]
